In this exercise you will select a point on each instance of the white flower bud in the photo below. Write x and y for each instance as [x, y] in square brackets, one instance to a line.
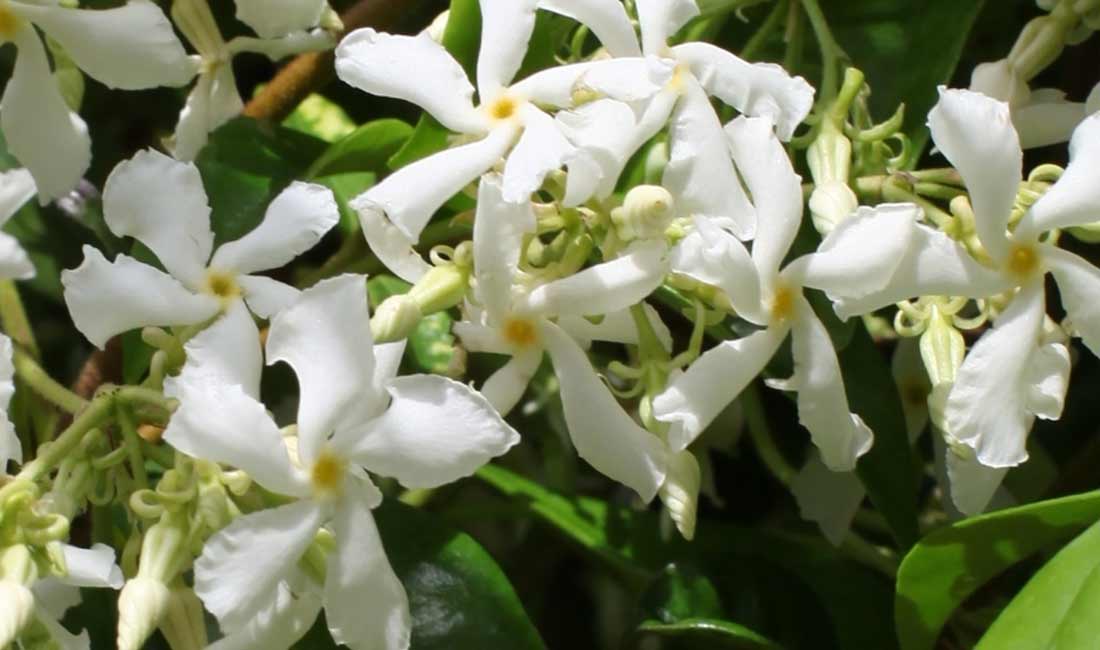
[16, 610]
[183, 625]
[442, 287]
[395, 318]
[680, 492]
[830, 157]
[141, 606]
[646, 213]
[830, 204]
[942, 348]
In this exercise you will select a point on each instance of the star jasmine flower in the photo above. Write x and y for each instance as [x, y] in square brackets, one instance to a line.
[1042, 117]
[508, 123]
[161, 203]
[285, 27]
[41, 130]
[354, 413]
[519, 323]
[858, 255]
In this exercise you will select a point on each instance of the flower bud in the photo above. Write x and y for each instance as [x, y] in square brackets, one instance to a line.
[442, 287]
[16, 610]
[183, 625]
[395, 318]
[680, 492]
[999, 80]
[830, 156]
[142, 604]
[942, 349]
[830, 204]
[646, 213]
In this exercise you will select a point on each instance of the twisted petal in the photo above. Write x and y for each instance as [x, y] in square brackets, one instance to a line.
[243, 564]
[499, 229]
[712, 255]
[505, 387]
[478, 337]
[660, 19]
[413, 68]
[92, 567]
[755, 89]
[506, 27]
[975, 134]
[603, 433]
[606, 18]
[626, 80]
[280, 624]
[605, 135]
[1047, 118]
[265, 296]
[49, 140]
[435, 431]
[108, 298]
[108, 43]
[365, 604]
[227, 352]
[616, 327]
[275, 18]
[162, 203]
[829, 499]
[973, 485]
[211, 103]
[1075, 198]
[1079, 287]
[16, 188]
[541, 149]
[715, 379]
[325, 337]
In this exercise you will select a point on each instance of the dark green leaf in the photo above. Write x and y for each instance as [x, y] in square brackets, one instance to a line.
[365, 149]
[346, 187]
[708, 633]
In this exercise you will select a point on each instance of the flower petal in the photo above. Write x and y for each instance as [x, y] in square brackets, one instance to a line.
[50, 140]
[478, 337]
[242, 564]
[660, 19]
[275, 18]
[161, 202]
[1045, 121]
[1074, 199]
[10, 446]
[541, 149]
[435, 431]
[627, 80]
[987, 408]
[700, 173]
[506, 27]
[106, 43]
[712, 255]
[413, 68]
[755, 89]
[279, 625]
[605, 133]
[365, 604]
[700, 393]
[839, 435]
[325, 337]
[211, 103]
[505, 387]
[973, 485]
[499, 229]
[266, 296]
[16, 188]
[227, 352]
[829, 499]
[606, 18]
[137, 294]
[615, 327]
[92, 567]
[64, 639]
[975, 134]
[603, 288]
[294, 222]
[1079, 286]
[14, 261]
[603, 433]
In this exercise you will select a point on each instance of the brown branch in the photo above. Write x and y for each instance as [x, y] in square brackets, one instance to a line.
[310, 72]
[102, 367]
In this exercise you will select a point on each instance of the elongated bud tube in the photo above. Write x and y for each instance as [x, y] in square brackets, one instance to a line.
[680, 492]
[183, 626]
[17, 572]
[145, 599]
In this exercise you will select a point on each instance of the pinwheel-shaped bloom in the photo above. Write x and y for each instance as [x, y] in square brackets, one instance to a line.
[161, 203]
[856, 257]
[284, 27]
[508, 121]
[47, 599]
[41, 130]
[516, 321]
[423, 430]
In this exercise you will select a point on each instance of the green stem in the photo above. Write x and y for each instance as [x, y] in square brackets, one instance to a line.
[34, 376]
[831, 52]
[761, 436]
[870, 555]
[14, 318]
[133, 446]
[766, 29]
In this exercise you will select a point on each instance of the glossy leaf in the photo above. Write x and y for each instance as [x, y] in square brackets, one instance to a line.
[707, 633]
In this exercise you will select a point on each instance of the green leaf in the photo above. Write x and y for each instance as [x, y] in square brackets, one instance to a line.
[346, 187]
[319, 117]
[1057, 609]
[365, 149]
[949, 565]
[709, 633]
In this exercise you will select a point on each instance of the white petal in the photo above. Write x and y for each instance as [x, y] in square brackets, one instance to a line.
[1075, 198]
[137, 295]
[839, 435]
[55, 597]
[64, 639]
[211, 103]
[16, 188]
[294, 222]
[603, 288]
[987, 408]
[541, 149]
[605, 133]
[861, 254]
[975, 134]
[627, 80]
[279, 625]
[616, 327]
[220, 423]
[505, 387]
[14, 261]
[242, 564]
[972, 484]
[477, 337]
[755, 89]
[161, 202]
[365, 604]
[227, 352]
[413, 68]
[408, 198]
[49, 140]
[933, 264]
[1048, 380]
[275, 18]
[387, 362]
[92, 567]
[315, 40]
[1079, 287]
[499, 229]
[776, 189]
[266, 296]
[603, 433]
[999, 80]
[829, 499]
[435, 431]
[715, 379]
[10, 447]
[506, 27]
[1046, 122]
[606, 18]
[108, 43]
[712, 255]
[700, 173]
[660, 19]
[325, 336]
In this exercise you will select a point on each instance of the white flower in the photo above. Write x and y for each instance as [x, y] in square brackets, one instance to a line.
[858, 256]
[353, 413]
[516, 321]
[282, 26]
[16, 188]
[10, 446]
[508, 123]
[1041, 117]
[47, 137]
[161, 203]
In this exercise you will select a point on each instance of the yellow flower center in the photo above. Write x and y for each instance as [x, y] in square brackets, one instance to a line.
[503, 108]
[9, 22]
[221, 285]
[782, 306]
[520, 332]
[1023, 260]
[327, 475]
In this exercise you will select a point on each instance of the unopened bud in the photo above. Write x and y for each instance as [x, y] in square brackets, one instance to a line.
[142, 604]
[183, 625]
[442, 287]
[646, 212]
[16, 610]
[942, 349]
[830, 156]
[395, 318]
[830, 204]
[680, 492]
